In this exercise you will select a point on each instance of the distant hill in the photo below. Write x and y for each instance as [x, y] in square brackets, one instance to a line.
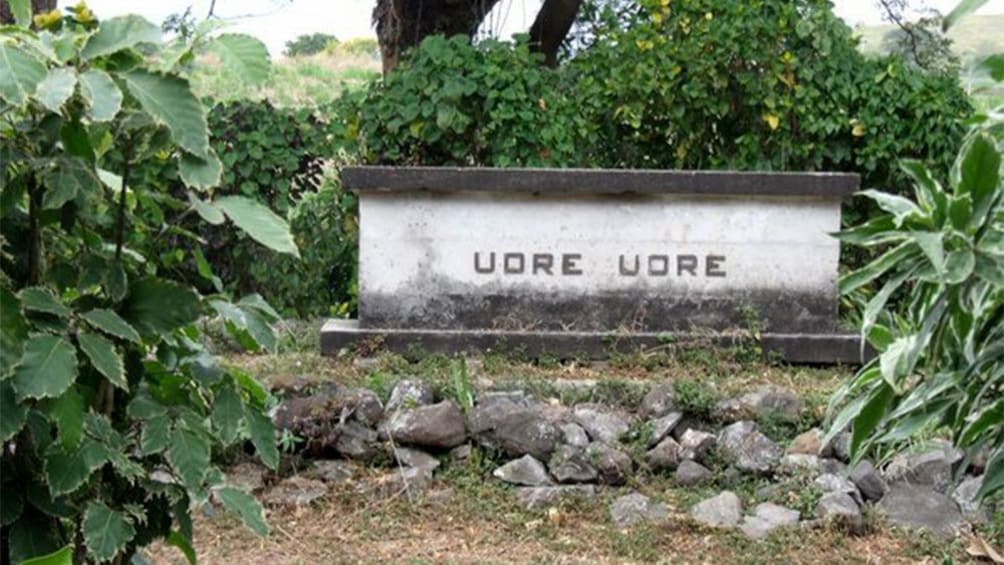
[973, 37]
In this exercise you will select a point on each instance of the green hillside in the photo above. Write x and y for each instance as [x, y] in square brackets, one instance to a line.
[973, 37]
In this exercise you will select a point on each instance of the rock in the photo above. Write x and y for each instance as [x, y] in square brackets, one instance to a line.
[613, 465]
[574, 435]
[662, 426]
[571, 465]
[840, 446]
[965, 496]
[411, 481]
[868, 480]
[333, 471]
[829, 482]
[807, 443]
[767, 517]
[247, 476]
[515, 429]
[635, 508]
[840, 508]
[435, 425]
[601, 422]
[295, 492]
[695, 444]
[408, 393]
[831, 465]
[358, 442]
[368, 410]
[764, 401]
[536, 497]
[514, 396]
[315, 418]
[663, 457]
[921, 507]
[659, 401]
[723, 510]
[690, 473]
[747, 448]
[799, 464]
[415, 458]
[932, 467]
[525, 471]
[460, 452]
[731, 477]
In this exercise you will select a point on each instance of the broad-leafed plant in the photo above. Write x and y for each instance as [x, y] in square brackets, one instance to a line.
[111, 409]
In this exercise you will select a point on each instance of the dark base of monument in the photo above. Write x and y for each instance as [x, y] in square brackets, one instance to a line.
[339, 335]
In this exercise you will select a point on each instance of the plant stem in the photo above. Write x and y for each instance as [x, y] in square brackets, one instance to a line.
[120, 223]
[34, 231]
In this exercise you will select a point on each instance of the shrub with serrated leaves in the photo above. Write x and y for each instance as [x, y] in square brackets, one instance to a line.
[110, 406]
[940, 363]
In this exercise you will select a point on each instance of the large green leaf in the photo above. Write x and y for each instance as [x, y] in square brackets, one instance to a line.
[206, 210]
[66, 178]
[104, 99]
[66, 471]
[188, 454]
[40, 299]
[118, 33]
[901, 208]
[179, 540]
[56, 88]
[104, 358]
[245, 506]
[246, 325]
[12, 413]
[870, 416]
[170, 101]
[892, 258]
[158, 306]
[198, 172]
[228, 411]
[980, 175]
[263, 437]
[959, 265]
[13, 332]
[32, 535]
[156, 434]
[262, 224]
[243, 54]
[993, 477]
[62, 557]
[47, 368]
[111, 323]
[21, 10]
[932, 246]
[67, 412]
[961, 10]
[20, 74]
[106, 531]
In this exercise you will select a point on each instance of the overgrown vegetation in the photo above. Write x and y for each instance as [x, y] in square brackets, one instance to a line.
[111, 409]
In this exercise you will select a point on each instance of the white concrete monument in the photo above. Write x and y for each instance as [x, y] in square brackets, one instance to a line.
[562, 261]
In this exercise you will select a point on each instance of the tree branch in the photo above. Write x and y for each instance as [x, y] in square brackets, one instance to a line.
[120, 222]
[551, 27]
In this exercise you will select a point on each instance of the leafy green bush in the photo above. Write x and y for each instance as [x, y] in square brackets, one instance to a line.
[309, 44]
[454, 104]
[110, 406]
[941, 350]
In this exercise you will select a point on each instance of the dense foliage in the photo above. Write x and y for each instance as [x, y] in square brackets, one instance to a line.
[941, 348]
[110, 407]
[309, 44]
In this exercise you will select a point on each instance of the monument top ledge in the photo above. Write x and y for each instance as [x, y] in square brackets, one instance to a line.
[598, 181]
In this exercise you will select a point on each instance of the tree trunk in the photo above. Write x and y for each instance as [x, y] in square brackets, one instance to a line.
[551, 26]
[37, 7]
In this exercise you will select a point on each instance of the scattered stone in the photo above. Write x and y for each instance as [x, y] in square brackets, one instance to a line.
[866, 477]
[747, 448]
[766, 400]
[659, 401]
[767, 517]
[513, 396]
[435, 425]
[602, 423]
[686, 424]
[731, 477]
[691, 473]
[829, 482]
[460, 452]
[807, 443]
[515, 429]
[295, 491]
[526, 471]
[922, 507]
[408, 393]
[931, 467]
[771, 490]
[664, 457]
[614, 466]
[533, 498]
[574, 435]
[695, 444]
[840, 447]
[367, 408]
[723, 510]
[571, 465]
[247, 476]
[357, 442]
[662, 426]
[831, 465]
[415, 458]
[636, 508]
[799, 464]
[411, 481]
[965, 496]
[840, 508]
[333, 471]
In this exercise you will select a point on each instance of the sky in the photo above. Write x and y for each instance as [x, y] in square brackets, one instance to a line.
[277, 21]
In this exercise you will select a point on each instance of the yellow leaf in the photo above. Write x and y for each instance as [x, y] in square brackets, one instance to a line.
[858, 130]
[708, 16]
[657, 18]
[48, 19]
[772, 121]
[543, 104]
[664, 3]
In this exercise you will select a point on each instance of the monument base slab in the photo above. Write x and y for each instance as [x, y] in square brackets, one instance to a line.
[340, 335]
